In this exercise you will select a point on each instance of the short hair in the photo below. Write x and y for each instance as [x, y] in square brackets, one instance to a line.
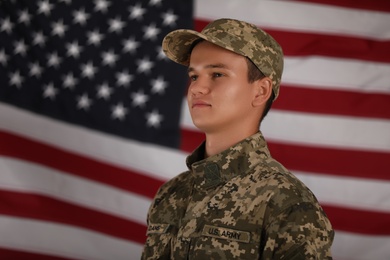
[255, 74]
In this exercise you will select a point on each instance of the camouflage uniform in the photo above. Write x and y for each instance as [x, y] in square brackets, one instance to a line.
[238, 204]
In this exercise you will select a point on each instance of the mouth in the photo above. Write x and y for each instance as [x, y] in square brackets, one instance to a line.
[200, 104]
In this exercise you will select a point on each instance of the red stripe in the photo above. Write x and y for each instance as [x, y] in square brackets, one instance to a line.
[336, 102]
[358, 221]
[33, 151]
[343, 162]
[305, 44]
[190, 140]
[9, 254]
[354, 163]
[35, 206]
[374, 5]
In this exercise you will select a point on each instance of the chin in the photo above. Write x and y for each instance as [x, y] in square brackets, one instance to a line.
[202, 126]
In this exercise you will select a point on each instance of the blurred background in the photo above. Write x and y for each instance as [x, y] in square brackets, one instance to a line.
[93, 118]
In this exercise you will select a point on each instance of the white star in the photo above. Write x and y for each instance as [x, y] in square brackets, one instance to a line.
[95, 37]
[169, 18]
[161, 55]
[119, 111]
[104, 91]
[84, 102]
[116, 25]
[139, 99]
[80, 17]
[44, 7]
[158, 85]
[6, 25]
[24, 17]
[109, 58]
[39, 39]
[20, 48]
[123, 78]
[3, 57]
[59, 28]
[130, 45]
[154, 2]
[150, 32]
[16, 79]
[153, 119]
[136, 12]
[69, 81]
[144, 65]
[49, 91]
[35, 69]
[101, 5]
[88, 70]
[54, 60]
[74, 49]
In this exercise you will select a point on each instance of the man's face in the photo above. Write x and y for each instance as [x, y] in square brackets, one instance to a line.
[219, 96]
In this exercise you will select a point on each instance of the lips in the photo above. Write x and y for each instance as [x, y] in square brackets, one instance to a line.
[200, 103]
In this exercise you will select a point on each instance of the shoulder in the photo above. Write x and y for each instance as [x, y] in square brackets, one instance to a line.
[172, 193]
[170, 201]
[293, 214]
[175, 183]
[284, 189]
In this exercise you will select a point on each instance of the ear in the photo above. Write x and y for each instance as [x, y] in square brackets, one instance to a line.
[263, 90]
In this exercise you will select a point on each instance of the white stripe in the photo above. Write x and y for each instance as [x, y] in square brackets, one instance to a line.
[319, 130]
[339, 74]
[31, 178]
[103, 147]
[64, 241]
[364, 194]
[349, 246]
[296, 16]
[327, 131]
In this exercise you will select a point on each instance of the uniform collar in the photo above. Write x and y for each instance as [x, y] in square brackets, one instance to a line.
[234, 161]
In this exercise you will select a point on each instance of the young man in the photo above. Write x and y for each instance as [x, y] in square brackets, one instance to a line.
[235, 201]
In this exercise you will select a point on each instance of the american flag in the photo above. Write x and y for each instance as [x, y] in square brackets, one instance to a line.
[90, 112]
[72, 71]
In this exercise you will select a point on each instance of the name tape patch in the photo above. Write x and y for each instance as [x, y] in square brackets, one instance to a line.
[157, 228]
[226, 233]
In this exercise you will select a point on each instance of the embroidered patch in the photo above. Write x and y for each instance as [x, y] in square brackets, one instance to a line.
[212, 176]
[226, 233]
[157, 228]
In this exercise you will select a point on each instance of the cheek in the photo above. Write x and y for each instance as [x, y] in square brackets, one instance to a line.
[240, 102]
[236, 94]
[188, 97]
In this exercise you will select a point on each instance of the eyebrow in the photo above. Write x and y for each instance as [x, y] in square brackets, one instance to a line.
[211, 66]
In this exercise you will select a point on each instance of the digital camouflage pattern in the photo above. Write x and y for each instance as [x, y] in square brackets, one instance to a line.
[239, 204]
[240, 37]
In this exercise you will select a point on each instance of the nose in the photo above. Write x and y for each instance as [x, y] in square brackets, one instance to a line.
[199, 87]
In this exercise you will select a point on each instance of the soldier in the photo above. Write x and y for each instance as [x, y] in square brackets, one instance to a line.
[235, 201]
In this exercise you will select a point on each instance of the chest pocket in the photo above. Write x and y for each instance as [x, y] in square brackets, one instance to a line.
[158, 242]
[224, 243]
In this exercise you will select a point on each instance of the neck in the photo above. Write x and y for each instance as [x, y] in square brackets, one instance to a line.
[218, 142]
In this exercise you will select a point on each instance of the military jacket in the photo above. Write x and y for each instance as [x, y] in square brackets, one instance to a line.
[238, 204]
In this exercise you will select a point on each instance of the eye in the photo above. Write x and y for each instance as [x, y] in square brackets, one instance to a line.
[217, 75]
[193, 77]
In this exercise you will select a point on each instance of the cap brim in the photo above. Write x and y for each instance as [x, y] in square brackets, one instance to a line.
[177, 44]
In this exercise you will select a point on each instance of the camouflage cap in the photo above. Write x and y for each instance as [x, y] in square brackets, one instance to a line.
[240, 37]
